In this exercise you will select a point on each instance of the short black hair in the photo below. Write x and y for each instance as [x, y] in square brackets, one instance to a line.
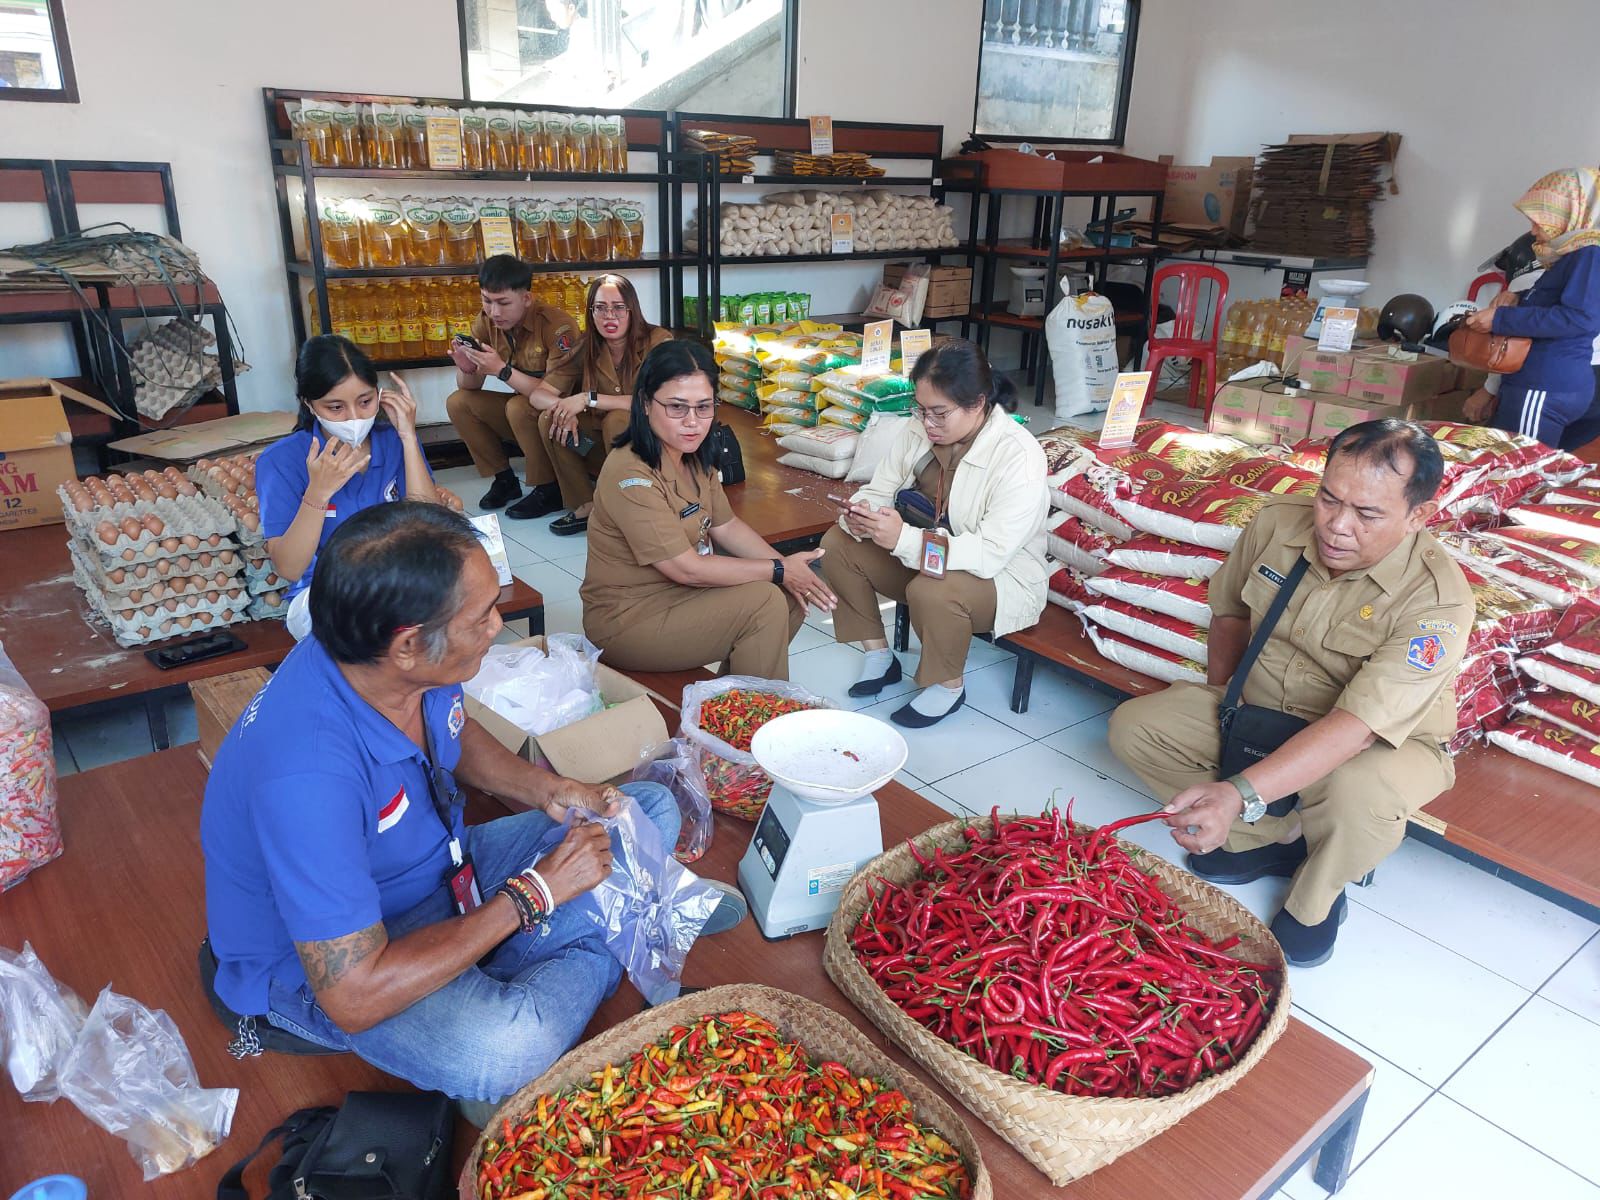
[666, 362]
[324, 362]
[960, 370]
[1387, 441]
[389, 567]
[504, 273]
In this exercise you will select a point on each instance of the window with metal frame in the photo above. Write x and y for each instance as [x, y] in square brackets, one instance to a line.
[35, 60]
[1055, 70]
[726, 56]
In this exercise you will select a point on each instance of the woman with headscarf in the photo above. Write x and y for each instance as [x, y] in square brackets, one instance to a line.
[1561, 313]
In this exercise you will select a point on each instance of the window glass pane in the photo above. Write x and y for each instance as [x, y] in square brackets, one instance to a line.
[1053, 69]
[28, 57]
[630, 53]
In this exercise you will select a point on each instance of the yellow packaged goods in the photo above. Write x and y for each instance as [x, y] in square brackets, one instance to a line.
[502, 139]
[799, 380]
[848, 417]
[627, 231]
[564, 232]
[788, 398]
[383, 132]
[340, 226]
[738, 398]
[803, 417]
[740, 364]
[530, 136]
[614, 139]
[414, 145]
[533, 230]
[424, 232]
[594, 233]
[383, 233]
[556, 127]
[311, 123]
[474, 139]
[580, 143]
[346, 141]
[460, 231]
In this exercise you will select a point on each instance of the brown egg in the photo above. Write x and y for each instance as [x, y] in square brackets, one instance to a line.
[233, 593]
[155, 524]
[150, 610]
[81, 502]
[204, 618]
[213, 597]
[187, 489]
[228, 557]
[117, 576]
[182, 563]
[127, 555]
[169, 544]
[185, 622]
[132, 527]
[107, 532]
[196, 582]
[166, 626]
[170, 604]
[167, 491]
[190, 542]
[214, 540]
[251, 521]
[136, 595]
[143, 631]
[272, 600]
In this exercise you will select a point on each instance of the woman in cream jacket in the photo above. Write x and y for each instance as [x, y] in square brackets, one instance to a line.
[980, 477]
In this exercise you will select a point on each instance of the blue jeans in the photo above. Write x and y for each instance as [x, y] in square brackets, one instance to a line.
[507, 1019]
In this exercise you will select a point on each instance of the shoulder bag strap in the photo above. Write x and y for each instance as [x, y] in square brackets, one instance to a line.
[231, 1185]
[1230, 700]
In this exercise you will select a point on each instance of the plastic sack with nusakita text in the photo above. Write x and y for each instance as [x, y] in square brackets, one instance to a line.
[39, 1019]
[30, 830]
[675, 765]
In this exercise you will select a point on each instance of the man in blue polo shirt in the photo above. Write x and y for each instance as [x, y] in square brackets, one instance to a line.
[347, 902]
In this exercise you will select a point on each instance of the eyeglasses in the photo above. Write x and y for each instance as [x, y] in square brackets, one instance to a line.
[932, 416]
[678, 410]
[610, 310]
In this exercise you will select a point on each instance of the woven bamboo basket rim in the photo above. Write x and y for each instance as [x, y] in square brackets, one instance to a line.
[824, 1034]
[1037, 1121]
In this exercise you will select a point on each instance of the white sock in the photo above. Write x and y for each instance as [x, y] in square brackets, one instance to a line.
[936, 700]
[876, 665]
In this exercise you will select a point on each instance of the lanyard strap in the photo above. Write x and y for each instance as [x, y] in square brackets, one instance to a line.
[440, 787]
[1263, 632]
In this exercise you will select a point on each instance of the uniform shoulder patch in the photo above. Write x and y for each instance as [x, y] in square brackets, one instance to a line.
[635, 481]
[564, 341]
[1434, 625]
[1425, 652]
[457, 719]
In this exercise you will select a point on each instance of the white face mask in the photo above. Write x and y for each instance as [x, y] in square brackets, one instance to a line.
[352, 432]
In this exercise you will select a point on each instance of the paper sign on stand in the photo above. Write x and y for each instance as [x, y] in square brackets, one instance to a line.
[444, 144]
[914, 343]
[844, 233]
[1338, 328]
[876, 339]
[1122, 414]
[821, 135]
[497, 236]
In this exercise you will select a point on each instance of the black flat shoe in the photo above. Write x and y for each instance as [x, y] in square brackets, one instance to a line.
[1309, 945]
[871, 687]
[501, 493]
[540, 502]
[1247, 866]
[568, 525]
[909, 718]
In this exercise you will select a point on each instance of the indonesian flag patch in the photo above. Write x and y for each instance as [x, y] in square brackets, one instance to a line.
[389, 815]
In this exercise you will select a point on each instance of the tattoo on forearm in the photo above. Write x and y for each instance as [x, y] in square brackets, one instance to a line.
[326, 963]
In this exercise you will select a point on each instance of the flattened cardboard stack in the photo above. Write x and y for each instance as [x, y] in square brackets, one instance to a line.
[1315, 193]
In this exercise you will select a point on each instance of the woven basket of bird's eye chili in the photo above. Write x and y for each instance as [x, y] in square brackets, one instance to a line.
[720, 717]
[1077, 993]
[715, 1090]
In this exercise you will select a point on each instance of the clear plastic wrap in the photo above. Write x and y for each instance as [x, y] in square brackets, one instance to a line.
[30, 831]
[650, 908]
[130, 1073]
[675, 765]
[735, 784]
[540, 690]
[38, 1021]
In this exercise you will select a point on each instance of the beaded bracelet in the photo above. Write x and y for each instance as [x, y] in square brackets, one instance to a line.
[529, 903]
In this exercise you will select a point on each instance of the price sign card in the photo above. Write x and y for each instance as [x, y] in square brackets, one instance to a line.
[444, 143]
[914, 343]
[497, 236]
[844, 233]
[1338, 328]
[876, 339]
[1127, 402]
[821, 135]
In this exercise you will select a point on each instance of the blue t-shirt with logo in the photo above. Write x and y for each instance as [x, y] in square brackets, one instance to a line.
[318, 822]
[282, 475]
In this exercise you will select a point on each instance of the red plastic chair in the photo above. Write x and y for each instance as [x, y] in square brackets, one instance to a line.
[1183, 343]
[1488, 278]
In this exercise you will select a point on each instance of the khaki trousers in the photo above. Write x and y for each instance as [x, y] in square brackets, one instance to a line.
[486, 419]
[565, 465]
[944, 612]
[747, 628]
[1352, 820]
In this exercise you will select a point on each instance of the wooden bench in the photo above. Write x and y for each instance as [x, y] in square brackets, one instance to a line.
[125, 906]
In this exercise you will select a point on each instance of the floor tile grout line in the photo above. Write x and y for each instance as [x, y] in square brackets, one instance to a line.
[1564, 1008]
[1567, 1167]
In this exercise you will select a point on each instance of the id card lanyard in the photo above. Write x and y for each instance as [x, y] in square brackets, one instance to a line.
[935, 541]
[447, 802]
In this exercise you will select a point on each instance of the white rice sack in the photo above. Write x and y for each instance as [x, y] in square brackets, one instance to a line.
[1551, 746]
[1183, 638]
[1147, 660]
[827, 468]
[1164, 556]
[1185, 599]
[876, 440]
[830, 445]
[1580, 681]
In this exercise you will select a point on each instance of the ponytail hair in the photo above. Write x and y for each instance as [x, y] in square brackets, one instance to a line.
[960, 372]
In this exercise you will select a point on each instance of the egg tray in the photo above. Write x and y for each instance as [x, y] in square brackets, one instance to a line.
[259, 584]
[262, 607]
[191, 600]
[187, 517]
[135, 627]
[130, 633]
[169, 575]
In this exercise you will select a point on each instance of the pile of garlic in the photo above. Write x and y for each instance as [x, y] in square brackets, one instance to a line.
[801, 223]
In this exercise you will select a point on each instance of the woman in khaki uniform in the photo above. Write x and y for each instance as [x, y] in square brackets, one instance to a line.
[675, 580]
[595, 383]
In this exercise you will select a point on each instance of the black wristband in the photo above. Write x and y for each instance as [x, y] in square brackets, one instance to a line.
[504, 373]
[777, 571]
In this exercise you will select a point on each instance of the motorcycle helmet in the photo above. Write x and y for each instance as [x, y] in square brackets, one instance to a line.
[1514, 259]
[1408, 318]
[1448, 320]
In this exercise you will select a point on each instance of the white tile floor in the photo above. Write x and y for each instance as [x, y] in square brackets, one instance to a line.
[1477, 1003]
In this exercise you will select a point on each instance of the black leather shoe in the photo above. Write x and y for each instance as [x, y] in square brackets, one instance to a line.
[539, 502]
[1247, 866]
[909, 718]
[568, 525]
[871, 687]
[1309, 945]
[502, 492]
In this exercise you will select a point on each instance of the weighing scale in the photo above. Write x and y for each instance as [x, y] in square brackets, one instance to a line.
[820, 825]
[1336, 293]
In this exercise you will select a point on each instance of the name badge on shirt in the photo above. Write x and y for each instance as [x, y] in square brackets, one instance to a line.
[464, 886]
[688, 512]
[1270, 575]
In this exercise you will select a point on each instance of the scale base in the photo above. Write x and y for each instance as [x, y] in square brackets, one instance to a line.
[801, 857]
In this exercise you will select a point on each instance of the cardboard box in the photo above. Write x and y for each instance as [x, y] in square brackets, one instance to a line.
[36, 449]
[1285, 418]
[1297, 345]
[1236, 411]
[1447, 407]
[1217, 195]
[1376, 378]
[210, 439]
[949, 291]
[1332, 417]
[604, 746]
[1262, 415]
[218, 701]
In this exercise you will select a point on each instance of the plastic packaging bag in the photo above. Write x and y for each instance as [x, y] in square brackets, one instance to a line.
[30, 830]
[130, 1073]
[538, 691]
[1082, 334]
[734, 783]
[39, 1019]
[651, 908]
[675, 765]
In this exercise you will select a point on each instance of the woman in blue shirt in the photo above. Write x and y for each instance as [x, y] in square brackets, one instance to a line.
[307, 487]
[1561, 313]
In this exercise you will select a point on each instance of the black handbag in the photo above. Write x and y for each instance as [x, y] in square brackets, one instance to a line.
[377, 1146]
[1249, 731]
[727, 454]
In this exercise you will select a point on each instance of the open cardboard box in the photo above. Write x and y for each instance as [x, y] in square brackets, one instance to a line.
[36, 449]
[209, 439]
[602, 747]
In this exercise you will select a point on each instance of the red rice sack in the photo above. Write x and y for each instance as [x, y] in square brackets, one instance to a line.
[1183, 638]
[1552, 746]
[1147, 660]
[1577, 635]
[1500, 560]
[1164, 556]
[1067, 590]
[1580, 556]
[1185, 599]
[1580, 521]
[1506, 616]
[1088, 495]
[1194, 451]
[1484, 691]
[1563, 709]
[1573, 678]
[1273, 476]
[1202, 512]
[1083, 549]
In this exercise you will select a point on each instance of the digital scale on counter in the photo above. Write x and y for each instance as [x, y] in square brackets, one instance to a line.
[820, 825]
[1336, 293]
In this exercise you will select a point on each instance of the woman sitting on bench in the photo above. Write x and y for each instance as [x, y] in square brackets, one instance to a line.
[951, 525]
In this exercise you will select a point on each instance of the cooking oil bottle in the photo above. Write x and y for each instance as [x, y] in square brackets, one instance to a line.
[386, 310]
[363, 317]
[436, 310]
[412, 318]
[340, 318]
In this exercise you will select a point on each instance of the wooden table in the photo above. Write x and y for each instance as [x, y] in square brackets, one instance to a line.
[125, 905]
[76, 667]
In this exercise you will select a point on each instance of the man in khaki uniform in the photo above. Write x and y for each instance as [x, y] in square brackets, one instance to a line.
[519, 335]
[1366, 651]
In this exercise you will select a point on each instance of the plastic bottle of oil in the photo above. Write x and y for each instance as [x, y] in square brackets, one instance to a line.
[313, 313]
[386, 310]
[412, 318]
[572, 291]
[436, 327]
[1278, 334]
[340, 317]
[464, 306]
[363, 319]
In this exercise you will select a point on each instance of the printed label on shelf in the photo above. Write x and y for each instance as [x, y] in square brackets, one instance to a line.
[444, 143]
[1122, 415]
[1338, 328]
[844, 233]
[876, 339]
[821, 135]
[497, 236]
[914, 343]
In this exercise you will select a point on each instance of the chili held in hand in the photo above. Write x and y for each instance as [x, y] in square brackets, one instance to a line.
[1044, 951]
[723, 1109]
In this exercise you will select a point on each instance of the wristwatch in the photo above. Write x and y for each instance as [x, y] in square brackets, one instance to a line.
[504, 373]
[1254, 806]
[777, 571]
[594, 401]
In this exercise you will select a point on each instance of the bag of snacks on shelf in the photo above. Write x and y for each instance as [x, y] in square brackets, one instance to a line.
[30, 830]
[720, 716]
[564, 232]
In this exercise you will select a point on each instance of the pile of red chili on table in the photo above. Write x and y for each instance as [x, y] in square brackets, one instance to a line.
[1045, 952]
[723, 1109]
[735, 716]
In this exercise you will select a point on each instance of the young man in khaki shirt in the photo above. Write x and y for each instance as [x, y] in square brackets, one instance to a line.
[1365, 652]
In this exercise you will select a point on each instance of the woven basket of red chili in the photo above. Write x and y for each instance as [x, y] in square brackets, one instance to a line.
[741, 1092]
[1075, 992]
[720, 716]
